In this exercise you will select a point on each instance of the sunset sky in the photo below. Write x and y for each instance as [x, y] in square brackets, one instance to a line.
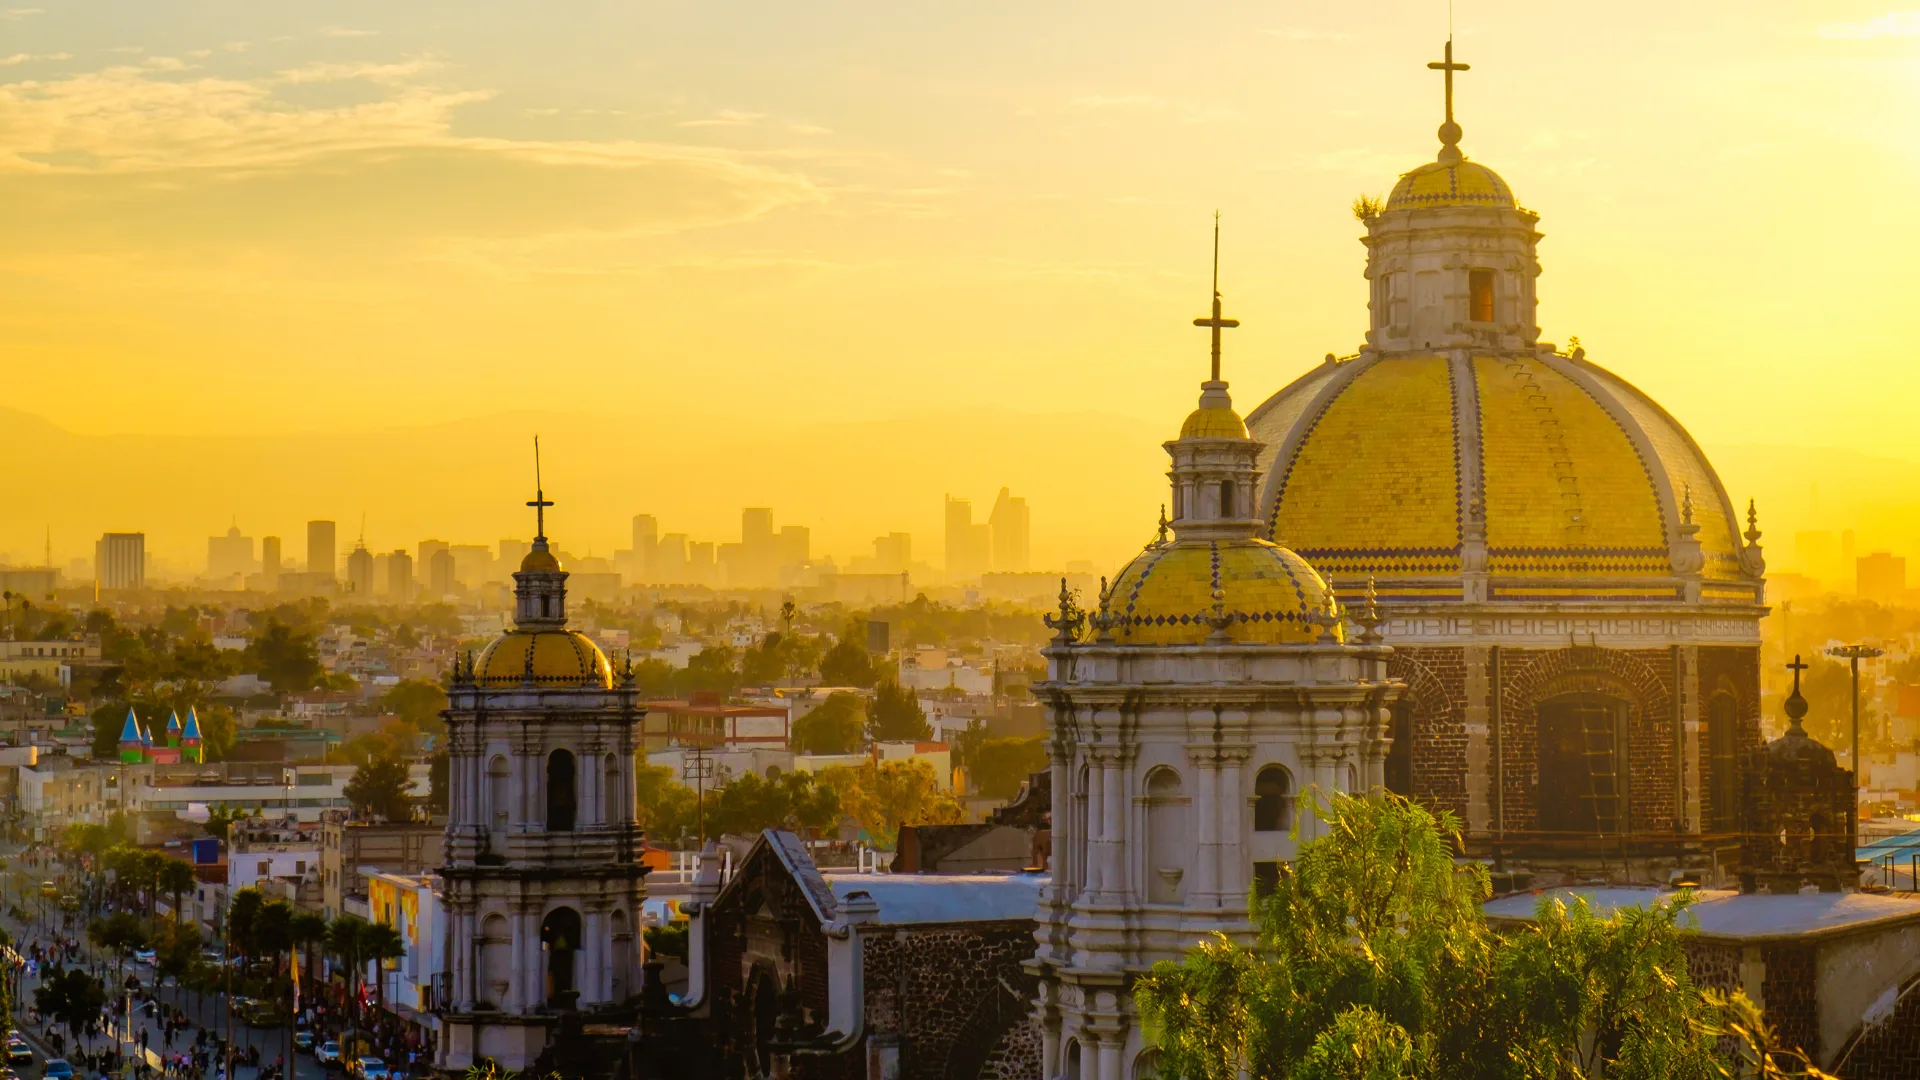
[702, 225]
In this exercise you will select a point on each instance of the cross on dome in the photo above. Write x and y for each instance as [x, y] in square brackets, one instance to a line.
[539, 502]
[1449, 131]
[1216, 322]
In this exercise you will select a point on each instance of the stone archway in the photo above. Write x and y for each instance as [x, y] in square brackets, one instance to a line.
[560, 941]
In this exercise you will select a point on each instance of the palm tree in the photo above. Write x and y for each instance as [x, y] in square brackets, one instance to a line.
[177, 878]
[343, 944]
[378, 944]
[308, 930]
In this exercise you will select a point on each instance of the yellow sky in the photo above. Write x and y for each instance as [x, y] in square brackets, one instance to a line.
[248, 220]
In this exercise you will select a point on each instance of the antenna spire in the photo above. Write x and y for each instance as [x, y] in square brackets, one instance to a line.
[1216, 323]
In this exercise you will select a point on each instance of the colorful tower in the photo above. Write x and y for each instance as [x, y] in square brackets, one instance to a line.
[146, 742]
[190, 738]
[173, 730]
[130, 750]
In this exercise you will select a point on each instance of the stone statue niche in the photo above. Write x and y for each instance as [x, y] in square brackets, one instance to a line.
[1798, 811]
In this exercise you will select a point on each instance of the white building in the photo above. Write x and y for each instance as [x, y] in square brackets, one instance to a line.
[410, 903]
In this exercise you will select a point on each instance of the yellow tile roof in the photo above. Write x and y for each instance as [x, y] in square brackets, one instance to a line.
[1165, 595]
[1463, 183]
[1213, 424]
[560, 658]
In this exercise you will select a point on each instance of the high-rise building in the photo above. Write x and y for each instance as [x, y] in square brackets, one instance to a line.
[470, 563]
[794, 547]
[1012, 534]
[756, 536]
[892, 553]
[969, 546]
[270, 561]
[511, 552]
[400, 576]
[428, 548]
[320, 551]
[230, 555]
[120, 561]
[646, 538]
[360, 573]
[700, 563]
[1880, 577]
[670, 560]
[440, 575]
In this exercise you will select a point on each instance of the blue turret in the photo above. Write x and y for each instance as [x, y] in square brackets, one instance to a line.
[131, 752]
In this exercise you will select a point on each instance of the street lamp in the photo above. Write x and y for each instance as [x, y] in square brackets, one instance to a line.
[1853, 654]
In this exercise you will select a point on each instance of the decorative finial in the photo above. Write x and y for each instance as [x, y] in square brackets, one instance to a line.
[540, 501]
[1067, 626]
[1370, 615]
[526, 674]
[1219, 620]
[1753, 525]
[1686, 504]
[1449, 131]
[1216, 322]
[1328, 619]
[1162, 538]
[1796, 705]
[1103, 619]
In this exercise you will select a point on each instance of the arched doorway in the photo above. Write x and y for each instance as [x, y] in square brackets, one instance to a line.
[763, 999]
[1723, 770]
[1273, 799]
[560, 940]
[561, 803]
[1583, 765]
[1400, 752]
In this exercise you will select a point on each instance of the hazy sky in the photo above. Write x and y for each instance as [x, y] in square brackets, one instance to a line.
[250, 219]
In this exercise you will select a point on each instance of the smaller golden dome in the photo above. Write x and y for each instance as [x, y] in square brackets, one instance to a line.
[558, 658]
[1460, 183]
[1165, 595]
[538, 559]
[1213, 423]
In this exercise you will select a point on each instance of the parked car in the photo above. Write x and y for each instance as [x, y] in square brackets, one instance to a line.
[303, 1040]
[58, 1069]
[328, 1053]
[18, 1052]
[370, 1068]
[145, 956]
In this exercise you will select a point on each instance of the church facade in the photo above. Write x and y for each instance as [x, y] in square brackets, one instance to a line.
[1571, 598]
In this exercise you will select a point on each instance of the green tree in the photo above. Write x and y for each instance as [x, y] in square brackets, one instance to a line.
[217, 732]
[1373, 960]
[835, 726]
[119, 933]
[439, 781]
[847, 663]
[288, 658]
[309, 932]
[176, 878]
[895, 715]
[380, 943]
[73, 997]
[666, 806]
[418, 702]
[381, 787]
[1002, 765]
[243, 910]
[748, 804]
[883, 796]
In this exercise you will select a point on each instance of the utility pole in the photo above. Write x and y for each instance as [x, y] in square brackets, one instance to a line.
[1853, 654]
[696, 766]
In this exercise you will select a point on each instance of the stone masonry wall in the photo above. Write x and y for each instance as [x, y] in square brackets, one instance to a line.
[954, 994]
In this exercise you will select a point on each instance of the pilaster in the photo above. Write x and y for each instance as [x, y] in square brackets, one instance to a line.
[1476, 715]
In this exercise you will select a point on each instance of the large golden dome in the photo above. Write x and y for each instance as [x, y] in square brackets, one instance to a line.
[1460, 183]
[1573, 483]
[1165, 595]
[543, 657]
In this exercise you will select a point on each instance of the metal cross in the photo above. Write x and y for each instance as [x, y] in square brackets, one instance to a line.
[540, 501]
[1216, 322]
[1796, 667]
[1449, 67]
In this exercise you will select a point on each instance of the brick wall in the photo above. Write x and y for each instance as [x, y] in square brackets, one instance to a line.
[1436, 681]
[1890, 1050]
[1788, 991]
[1734, 670]
[1643, 678]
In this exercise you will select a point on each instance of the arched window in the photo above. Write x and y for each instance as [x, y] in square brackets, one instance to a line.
[1273, 799]
[1723, 768]
[610, 792]
[1480, 296]
[498, 784]
[496, 962]
[1073, 1059]
[560, 798]
[1583, 764]
[560, 938]
[1169, 837]
[1226, 498]
[1147, 1065]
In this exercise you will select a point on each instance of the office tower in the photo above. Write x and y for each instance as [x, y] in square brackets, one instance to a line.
[1880, 577]
[400, 576]
[646, 538]
[440, 575]
[320, 558]
[756, 536]
[794, 546]
[511, 554]
[1012, 533]
[892, 553]
[969, 546]
[700, 562]
[360, 572]
[230, 555]
[428, 548]
[120, 561]
[670, 560]
[270, 561]
[470, 564]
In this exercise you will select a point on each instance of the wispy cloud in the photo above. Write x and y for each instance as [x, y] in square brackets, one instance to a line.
[27, 58]
[1116, 101]
[1891, 24]
[725, 118]
[392, 74]
[21, 13]
[346, 32]
[809, 129]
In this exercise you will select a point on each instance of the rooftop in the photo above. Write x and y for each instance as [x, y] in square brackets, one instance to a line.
[942, 898]
[1725, 914]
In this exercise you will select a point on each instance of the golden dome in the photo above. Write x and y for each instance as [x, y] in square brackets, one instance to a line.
[1214, 423]
[1461, 183]
[558, 658]
[1581, 480]
[1165, 595]
[539, 559]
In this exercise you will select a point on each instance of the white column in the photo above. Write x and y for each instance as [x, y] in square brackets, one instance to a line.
[589, 969]
[1109, 1057]
[1205, 889]
[1113, 789]
[1233, 811]
[530, 979]
[1096, 825]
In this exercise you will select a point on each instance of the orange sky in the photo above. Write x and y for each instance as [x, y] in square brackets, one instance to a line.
[726, 220]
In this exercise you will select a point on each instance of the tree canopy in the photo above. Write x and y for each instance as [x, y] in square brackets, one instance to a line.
[1000, 766]
[1374, 960]
[381, 787]
[835, 726]
[895, 715]
[747, 804]
[882, 796]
